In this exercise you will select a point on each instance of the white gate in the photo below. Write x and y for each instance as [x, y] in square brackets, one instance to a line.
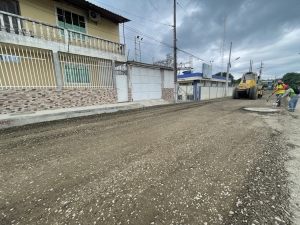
[146, 84]
[122, 88]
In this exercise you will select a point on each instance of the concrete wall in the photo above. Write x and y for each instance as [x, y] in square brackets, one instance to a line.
[186, 93]
[168, 78]
[213, 92]
[25, 100]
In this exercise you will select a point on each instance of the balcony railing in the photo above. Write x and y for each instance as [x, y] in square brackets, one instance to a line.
[23, 26]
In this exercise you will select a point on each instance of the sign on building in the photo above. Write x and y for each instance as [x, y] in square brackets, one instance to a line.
[206, 70]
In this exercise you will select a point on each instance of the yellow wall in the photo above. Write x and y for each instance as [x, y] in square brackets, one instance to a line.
[34, 67]
[45, 11]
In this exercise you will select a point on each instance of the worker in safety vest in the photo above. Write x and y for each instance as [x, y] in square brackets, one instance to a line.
[294, 97]
[279, 89]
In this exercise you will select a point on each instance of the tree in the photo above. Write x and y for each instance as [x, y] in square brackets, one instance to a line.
[292, 79]
[224, 75]
[229, 76]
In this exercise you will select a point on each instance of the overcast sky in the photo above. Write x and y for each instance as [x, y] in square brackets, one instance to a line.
[265, 31]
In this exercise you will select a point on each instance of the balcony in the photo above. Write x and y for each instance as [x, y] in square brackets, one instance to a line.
[19, 30]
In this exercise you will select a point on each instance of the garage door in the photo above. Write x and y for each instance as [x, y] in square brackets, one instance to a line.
[146, 84]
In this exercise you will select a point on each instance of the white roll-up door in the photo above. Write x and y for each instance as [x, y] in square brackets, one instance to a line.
[146, 84]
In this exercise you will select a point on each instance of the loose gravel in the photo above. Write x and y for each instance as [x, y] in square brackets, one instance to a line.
[207, 162]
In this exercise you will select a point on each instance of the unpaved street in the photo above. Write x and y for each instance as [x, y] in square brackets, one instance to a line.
[208, 162]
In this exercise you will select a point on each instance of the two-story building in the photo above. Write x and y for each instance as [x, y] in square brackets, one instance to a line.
[58, 54]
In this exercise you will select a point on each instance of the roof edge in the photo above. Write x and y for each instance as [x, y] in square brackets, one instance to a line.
[86, 5]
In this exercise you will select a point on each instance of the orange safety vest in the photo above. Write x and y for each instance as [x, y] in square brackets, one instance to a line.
[279, 89]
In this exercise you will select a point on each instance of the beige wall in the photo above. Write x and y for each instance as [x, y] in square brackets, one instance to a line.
[45, 10]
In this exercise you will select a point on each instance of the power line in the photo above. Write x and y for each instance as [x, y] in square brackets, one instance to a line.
[148, 36]
[133, 14]
[158, 12]
[198, 24]
[101, 29]
[117, 34]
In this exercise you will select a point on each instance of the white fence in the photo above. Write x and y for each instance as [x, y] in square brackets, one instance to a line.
[23, 67]
[212, 92]
[85, 72]
[185, 93]
[191, 93]
[27, 67]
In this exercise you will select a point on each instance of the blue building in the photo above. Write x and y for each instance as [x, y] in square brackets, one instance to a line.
[198, 86]
[189, 78]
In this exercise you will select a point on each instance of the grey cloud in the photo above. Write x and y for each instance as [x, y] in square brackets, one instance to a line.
[258, 30]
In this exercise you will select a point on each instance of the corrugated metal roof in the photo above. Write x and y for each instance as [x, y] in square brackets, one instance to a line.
[146, 65]
[86, 5]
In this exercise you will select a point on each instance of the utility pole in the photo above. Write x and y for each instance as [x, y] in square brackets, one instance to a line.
[223, 45]
[140, 49]
[227, 74]
[135, 49]
[128, 54]
[250, 68]
[175, 55]
[260, 69]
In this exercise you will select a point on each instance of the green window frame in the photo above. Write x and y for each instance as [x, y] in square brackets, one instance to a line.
[78, 74]
[72, 21]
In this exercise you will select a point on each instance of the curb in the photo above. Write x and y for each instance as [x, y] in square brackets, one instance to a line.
[13, 120]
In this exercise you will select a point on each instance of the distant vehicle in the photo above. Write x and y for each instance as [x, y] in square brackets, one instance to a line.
[248, 87]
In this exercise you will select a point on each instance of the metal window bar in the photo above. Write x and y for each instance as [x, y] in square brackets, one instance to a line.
[5, 74]
[88, 72]
[97, 72]
[86, 66]
[25, 67]
[42, 75]
[72, 64]
[23, 82]
[79, 81]
[101, 71]
[38, 68]
[9, 66]
[106, 74]
[15, 79]
[26, 81]
[17, 70]
[92, 72]
[62, 71]
[44, 66]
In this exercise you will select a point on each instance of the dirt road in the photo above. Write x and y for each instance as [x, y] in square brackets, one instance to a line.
[209, 162]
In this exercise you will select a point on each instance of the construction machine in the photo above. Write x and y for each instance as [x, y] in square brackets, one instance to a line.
[250, 86]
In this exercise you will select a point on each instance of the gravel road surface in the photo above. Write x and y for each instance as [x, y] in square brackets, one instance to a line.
[207, 162]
